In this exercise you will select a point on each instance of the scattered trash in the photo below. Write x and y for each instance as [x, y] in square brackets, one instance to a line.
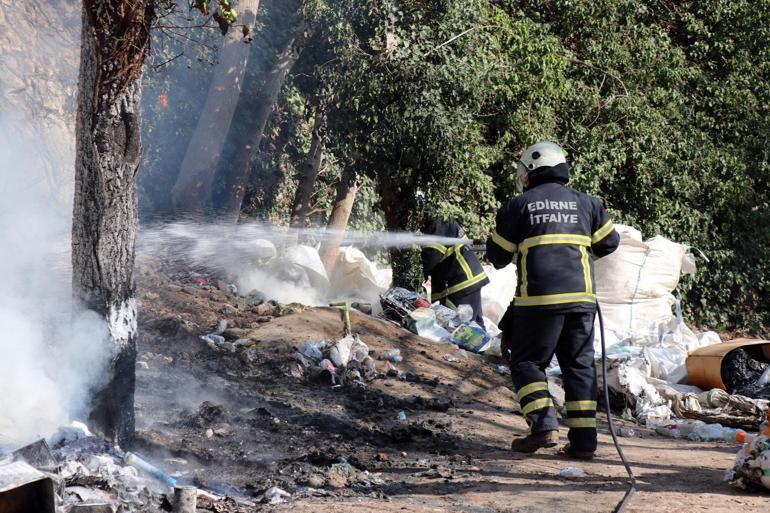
[677, 428]
[504, 370]
[464, 313]
[625, 432]
[471, 337]
[752, 464]
[37, 454]
[451, 358]
[311, 350]
[397, 303]
[572, 472]
[275, 495]
[745, 372]
[221, 327]
[421, 303]
[24, 488]
[137, 462]
[717, 432]
[401, 415]
[392, 355]
[327, 366]
[423, 322]
[185, 499]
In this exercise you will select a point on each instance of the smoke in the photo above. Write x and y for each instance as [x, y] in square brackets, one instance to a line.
[51, 354]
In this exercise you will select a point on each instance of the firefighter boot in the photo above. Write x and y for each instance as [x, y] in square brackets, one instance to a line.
[531, 443]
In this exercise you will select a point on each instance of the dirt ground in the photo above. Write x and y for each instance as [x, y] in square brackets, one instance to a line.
[238, 423]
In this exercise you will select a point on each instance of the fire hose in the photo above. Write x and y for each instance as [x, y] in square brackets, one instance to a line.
[631, 479]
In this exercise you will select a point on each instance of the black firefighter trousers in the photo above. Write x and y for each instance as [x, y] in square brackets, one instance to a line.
[533, 339]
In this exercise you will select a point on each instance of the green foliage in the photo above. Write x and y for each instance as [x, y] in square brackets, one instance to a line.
[664, 106]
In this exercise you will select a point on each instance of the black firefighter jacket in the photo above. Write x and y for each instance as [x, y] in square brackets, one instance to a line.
[553, 231]
[453, 270]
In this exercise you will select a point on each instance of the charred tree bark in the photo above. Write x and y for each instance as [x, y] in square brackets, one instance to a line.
[192, 191]
[115, 39]
[347, 189]
[405, 262]
[307, 177]
[234, 175]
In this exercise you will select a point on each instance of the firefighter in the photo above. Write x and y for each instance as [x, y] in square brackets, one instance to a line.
[455, 273]
[554, 232]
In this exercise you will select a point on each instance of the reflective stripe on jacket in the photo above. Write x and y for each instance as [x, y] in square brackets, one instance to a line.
[553, 231]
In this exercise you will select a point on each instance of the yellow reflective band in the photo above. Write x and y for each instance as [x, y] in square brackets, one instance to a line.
[437, 296]
[524, 254]
[602, 232]
[537, 386]
[556, 238]
[537, 404]
[438, 247]
[586, 269]
[465, 284]
[450, 304]
[555, 299]
[582, 422]
[580, 405]
[504, 243]
[463, 263]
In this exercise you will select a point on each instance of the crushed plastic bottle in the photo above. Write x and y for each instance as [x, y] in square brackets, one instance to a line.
[764, 379]
[625, 432]
[401, 415]
[311, 350]
[678, 428]
[716, 432]
[392, 355]
[327, 366]
[572, 472]
[465, 313]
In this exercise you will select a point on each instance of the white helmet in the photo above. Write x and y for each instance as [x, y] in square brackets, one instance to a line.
[542, 154]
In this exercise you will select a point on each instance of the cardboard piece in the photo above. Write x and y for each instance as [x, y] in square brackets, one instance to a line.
[704, 365]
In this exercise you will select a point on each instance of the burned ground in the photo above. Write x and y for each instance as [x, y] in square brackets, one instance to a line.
[238, 423]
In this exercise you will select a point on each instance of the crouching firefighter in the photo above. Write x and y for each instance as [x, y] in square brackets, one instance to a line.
[455, 273]
[554, 232]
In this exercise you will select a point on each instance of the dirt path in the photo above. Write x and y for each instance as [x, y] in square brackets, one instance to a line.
[240, 423]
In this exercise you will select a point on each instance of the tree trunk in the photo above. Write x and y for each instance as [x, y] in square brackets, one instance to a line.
[192, 191]
[115, 39]
[234, 175]
[347, 188]
[307, 177]
[405, 262]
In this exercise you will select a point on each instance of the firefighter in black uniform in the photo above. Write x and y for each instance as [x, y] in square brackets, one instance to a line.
[554, 232]
[455, 273]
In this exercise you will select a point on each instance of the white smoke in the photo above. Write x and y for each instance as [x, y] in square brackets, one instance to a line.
[51, 354]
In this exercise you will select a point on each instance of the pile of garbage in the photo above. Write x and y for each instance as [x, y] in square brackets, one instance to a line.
[745, 372]
[340, 362]
[75, 470]
[752, 464]
[440, 323]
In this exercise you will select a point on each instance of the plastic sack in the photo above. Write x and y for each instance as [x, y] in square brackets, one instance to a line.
[498, 294]
[354, 275]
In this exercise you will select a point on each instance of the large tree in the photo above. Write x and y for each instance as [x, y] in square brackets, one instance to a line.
[115, 40]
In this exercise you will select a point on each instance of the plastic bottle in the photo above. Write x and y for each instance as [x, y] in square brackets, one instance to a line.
[714, 432]
[678, 428]
[392, 355]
